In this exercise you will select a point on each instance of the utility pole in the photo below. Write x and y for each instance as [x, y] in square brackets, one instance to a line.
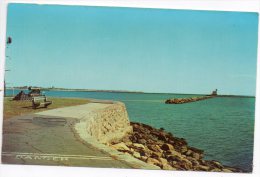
[5, 83]
[8, 42]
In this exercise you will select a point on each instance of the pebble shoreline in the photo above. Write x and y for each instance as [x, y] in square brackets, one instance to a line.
[160, 148]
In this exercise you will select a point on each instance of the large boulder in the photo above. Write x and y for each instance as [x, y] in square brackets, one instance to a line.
[138, 146]
[167, 147]
[153, 161]
[156, 155]
[120, 146]
[168, 167]
[154, 148]
[136, 155]
[204, 168]
[197, 156]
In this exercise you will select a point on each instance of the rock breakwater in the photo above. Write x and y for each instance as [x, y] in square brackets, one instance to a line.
[157, 147]
[186, 100]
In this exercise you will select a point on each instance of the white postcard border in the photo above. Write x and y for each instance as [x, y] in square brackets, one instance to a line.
[43, 171]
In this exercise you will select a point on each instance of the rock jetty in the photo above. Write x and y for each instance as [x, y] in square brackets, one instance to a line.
[157, 147]
[186, 100]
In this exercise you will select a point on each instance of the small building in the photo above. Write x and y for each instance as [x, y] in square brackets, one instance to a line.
[214, 93]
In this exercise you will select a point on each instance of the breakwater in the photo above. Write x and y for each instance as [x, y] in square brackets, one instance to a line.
[186, 100]
[162, 149]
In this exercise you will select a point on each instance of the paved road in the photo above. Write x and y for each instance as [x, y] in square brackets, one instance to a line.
[48, 140]
[77, 112]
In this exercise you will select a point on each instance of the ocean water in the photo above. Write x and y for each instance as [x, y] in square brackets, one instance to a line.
[223, 126]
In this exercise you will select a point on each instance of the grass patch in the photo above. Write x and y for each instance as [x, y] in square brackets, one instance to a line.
[16, 108]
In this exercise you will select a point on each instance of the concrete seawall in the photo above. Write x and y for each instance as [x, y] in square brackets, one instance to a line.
[104, 121]
[98, 124]
[106, 125]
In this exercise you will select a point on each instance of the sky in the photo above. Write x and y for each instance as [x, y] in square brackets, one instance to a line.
[150, 50]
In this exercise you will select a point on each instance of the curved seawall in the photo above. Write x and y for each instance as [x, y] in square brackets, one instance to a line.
[104, 121]
[110, 123]
[99, 123]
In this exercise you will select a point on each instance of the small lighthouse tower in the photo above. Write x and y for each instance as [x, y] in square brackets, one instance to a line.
[215, 92]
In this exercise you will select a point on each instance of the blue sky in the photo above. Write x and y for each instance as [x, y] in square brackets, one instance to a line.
[151, 50]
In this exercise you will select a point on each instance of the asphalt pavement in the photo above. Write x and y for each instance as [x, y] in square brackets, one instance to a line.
[48, 140]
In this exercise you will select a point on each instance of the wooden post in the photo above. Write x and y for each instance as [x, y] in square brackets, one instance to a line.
[4, 89]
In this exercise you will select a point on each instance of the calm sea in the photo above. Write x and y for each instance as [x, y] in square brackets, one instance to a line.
[223, 127]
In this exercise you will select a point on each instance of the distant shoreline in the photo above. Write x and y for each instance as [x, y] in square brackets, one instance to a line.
[123, 91]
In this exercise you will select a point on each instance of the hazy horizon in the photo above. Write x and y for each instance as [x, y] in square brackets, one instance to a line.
[130, 91]
[133, 49]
